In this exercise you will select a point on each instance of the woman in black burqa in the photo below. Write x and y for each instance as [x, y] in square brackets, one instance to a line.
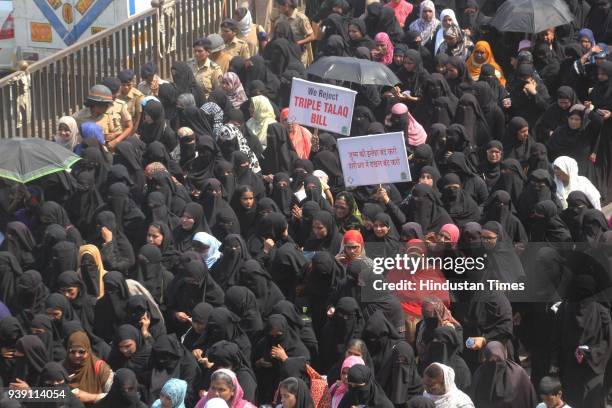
[110, 310]
[241, 301]
[259, 281]
[582, 321]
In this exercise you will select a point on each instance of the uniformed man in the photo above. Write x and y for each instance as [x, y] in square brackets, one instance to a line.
[99, 108]
[234, 46]
[300, 25]
[114, 84]
[206, 71]
[217, 52]
[130, 95]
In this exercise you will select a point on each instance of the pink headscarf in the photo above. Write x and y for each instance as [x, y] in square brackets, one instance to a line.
[338, 391]
[388, 57]
[415, 132]
[236, 94]
[453, 231]
[402, 10]
[301, 138]
[237, 401]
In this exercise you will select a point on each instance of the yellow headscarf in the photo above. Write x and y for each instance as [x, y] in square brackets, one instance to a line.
[263, 115]
[94, 252]
[474, 68]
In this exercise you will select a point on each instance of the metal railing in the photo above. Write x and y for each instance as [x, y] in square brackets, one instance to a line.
[32, 101]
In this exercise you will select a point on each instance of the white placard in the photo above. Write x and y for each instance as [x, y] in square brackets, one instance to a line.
[375, 159]
[321, 106]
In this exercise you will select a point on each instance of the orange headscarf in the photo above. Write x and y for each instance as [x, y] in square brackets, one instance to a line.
[474, 68]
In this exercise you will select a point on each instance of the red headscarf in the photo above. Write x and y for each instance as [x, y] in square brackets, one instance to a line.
[353, 236]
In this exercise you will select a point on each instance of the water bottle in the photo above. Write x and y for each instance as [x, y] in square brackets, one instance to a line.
[470, 343]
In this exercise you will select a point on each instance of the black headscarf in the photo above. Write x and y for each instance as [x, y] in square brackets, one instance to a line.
[137, 362]
[347, 323]
[241, 301]
[381, 338]
[425, 208]
[533, 193]
[159, 130]
[460, 205]
[31, 296]
[258, 280]
[594, 225]
[225, 325]
[370, 395]
[513, 148]
[9, 274]
[20, 242]
[192, 285]
[279, 153]
[185, 81]
[195, 119]
[183, 239]
[331, 242]
[577, 204]
[546, 225]
[29, 367]
[258, 70]
[404, 383]
[110, 310]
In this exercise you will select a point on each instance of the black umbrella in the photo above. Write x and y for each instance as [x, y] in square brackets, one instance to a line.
[356, 70]
[25, 160]
[531, 16]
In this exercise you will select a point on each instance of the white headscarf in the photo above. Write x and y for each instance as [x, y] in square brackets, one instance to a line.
[440, 34]
[213, 245]
[75, 137]
[244, 25]
[427, 29]
[454, 397]
[569, 166]
[216, 403]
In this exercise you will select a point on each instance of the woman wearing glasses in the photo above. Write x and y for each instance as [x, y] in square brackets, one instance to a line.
[90, 377]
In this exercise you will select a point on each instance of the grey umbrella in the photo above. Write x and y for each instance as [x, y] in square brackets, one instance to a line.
[25, 160]
[531, 16]
[359, 71]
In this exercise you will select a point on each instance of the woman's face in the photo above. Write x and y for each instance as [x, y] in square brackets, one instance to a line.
[70, 293]
[380, 229]
[221, 390]
[251, 109]
[77, 355]
[494, 155]
[574, 122]
[54, 314]
[344, 375]
[451, 71]
[352, 249]
[381, 47]
[187, 221]
[433, 386]
[398, 59]
[154, 236]
[447, 22]
[287, 399]
[227, 87]
[426, 179]
[585, 43]
[198, 326]
[564, 178]
[354, 33]
[409, 64]
[441, 69]
[489, 239]
[166, 402]
[353, 351]
[127, 347]
[564, 104]
[64, 131]
[480, 56]
[341, 208]
[319, 229]
[451, 41]
[522, 134]
[247, 200]
[427, 15]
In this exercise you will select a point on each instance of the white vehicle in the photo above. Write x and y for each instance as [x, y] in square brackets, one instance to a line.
[7, 36]
[43, 27]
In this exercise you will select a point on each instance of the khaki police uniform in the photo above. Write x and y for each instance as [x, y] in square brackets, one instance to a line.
[301, 28]
[110, 121]
[237, 48]
[207, 74]
[134, 101]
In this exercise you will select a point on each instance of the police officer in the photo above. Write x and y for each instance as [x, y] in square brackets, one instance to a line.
[130, 95]
[127, 125]
[234, 46]
[99, 108]
[206, 71]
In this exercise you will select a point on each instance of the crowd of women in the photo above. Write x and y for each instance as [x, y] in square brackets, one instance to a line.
[214, 258]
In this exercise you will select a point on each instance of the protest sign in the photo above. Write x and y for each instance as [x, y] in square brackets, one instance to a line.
[375, 159]
[321, 106]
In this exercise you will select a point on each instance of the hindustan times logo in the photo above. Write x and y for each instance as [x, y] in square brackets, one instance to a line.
[412, 264]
